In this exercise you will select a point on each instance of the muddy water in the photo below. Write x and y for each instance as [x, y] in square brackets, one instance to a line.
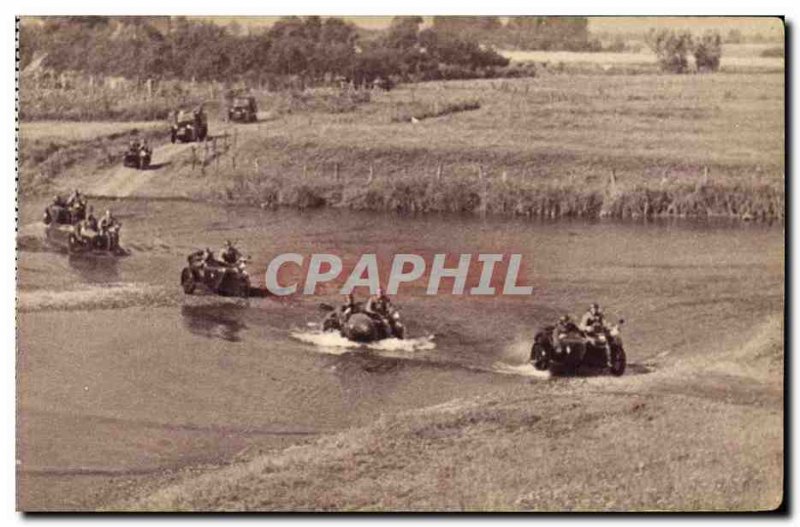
[121, 374]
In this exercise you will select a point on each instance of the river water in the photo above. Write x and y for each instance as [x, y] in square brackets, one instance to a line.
[121, 374]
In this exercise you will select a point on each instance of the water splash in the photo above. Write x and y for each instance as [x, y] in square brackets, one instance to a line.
[514, 360]
[333, 343]
[524, 370]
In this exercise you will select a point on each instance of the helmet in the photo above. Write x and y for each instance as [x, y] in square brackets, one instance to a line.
[595, 307]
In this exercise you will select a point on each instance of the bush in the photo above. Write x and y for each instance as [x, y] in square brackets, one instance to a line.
[707, 52]
[672, 50]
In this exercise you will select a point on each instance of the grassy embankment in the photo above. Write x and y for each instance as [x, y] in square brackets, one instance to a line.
[76, 148]
[556, 146]
[712, 442]
[553, 146]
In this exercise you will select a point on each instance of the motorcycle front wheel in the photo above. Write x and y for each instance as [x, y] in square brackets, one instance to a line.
[539, 357]
[618, 361]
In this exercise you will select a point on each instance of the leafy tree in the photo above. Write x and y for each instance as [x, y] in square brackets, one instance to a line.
[708, 51]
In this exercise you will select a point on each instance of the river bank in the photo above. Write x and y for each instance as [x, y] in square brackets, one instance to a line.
[559, 146]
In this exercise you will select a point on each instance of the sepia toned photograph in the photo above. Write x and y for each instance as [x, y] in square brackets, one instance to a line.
[400, 263]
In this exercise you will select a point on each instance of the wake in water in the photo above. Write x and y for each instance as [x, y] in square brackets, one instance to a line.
[335, 344]
[30, 237]
[524, 370]
[112, 296]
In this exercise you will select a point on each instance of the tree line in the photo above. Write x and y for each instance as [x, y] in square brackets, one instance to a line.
[312, 48]
[557, 33]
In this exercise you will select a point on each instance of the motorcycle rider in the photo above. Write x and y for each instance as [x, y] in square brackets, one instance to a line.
[593, 323]
[105, 226]
[77, 206]
[379, 307]
[74, 198]
[87, 228]
[347, 308]
[565, 324]
[592, 319]
[90, 222]
[230, 254]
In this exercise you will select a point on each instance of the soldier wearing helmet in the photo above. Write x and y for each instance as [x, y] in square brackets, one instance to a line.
[379, 308]
[230, 254]
[347, 308]
[592, 319]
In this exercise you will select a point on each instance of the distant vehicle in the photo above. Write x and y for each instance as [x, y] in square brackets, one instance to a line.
[190, 126]
[215, 276]
[137, 156]
[243, 110]
[383, 83]
[571, 348]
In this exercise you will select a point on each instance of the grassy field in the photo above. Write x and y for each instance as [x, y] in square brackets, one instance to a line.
[553, 146]
[676, 145]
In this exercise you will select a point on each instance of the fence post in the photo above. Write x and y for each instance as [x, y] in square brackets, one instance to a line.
[336, 171]
[612, 182]
[439, 171]
[305, 172]
[194, 158]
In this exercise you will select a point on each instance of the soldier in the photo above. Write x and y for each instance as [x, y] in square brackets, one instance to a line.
[378, 307]
[109, 230]
[230, 254]
[592, 319]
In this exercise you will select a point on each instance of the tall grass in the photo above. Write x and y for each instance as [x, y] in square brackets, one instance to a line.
[419, 195]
